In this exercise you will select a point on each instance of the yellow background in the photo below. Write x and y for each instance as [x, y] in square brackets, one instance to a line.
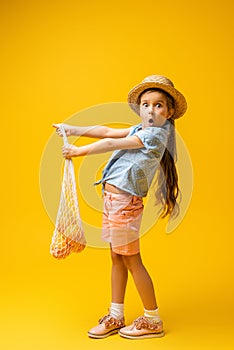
[59, 57]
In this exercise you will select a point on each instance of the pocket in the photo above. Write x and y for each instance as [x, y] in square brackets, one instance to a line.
[132, 213]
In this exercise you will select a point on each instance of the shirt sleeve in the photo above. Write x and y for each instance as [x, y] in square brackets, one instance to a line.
[154, 139]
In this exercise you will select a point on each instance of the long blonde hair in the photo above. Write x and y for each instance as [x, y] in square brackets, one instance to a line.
[167, 189]
[167, 178]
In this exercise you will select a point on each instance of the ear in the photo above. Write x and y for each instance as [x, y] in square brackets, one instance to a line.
[171, 113]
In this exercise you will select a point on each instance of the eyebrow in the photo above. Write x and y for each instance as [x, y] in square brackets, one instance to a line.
[156, 102]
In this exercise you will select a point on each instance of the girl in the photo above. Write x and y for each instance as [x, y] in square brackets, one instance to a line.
[139, 152]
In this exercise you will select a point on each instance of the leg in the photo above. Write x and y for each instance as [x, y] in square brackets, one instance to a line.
[111, 323]
[142, 280]
[143, 327]
[119, 277]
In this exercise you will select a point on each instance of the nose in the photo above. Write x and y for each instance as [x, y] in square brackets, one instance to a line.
[150, 109]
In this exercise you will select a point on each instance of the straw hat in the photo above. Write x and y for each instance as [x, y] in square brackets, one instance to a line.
[159, 82]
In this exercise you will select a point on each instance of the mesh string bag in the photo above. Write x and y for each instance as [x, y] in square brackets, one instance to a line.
[68, 235]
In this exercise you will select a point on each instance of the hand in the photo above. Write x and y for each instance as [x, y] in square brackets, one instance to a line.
[70, 151]
[67, 128]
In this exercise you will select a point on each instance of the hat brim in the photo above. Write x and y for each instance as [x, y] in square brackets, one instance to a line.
[180, 102]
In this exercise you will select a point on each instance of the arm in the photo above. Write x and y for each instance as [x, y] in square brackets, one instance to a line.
[96, 131]
[102, 146]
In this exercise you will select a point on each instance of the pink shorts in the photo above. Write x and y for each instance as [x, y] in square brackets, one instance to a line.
[121, 222]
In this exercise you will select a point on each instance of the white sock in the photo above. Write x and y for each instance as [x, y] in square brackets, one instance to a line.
[117, 310]
[152, 315]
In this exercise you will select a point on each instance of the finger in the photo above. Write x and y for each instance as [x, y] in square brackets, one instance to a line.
[56, 126]
[65, 154]
[65, 150]
[58, 130]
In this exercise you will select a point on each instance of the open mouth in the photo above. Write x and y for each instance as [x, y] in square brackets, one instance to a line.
[150, 120]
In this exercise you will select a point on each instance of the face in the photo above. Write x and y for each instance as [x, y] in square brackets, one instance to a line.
[154, 109]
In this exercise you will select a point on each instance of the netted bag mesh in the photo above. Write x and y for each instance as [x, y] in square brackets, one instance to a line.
[68, 235]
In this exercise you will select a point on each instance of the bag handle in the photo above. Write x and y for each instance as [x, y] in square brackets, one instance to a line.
[65, 140]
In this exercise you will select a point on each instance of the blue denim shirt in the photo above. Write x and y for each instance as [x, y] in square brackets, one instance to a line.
[133, 170]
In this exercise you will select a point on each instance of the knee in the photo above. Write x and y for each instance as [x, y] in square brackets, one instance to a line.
[132, 262]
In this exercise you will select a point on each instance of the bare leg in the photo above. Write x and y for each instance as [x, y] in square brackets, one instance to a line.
[142, 280]
[119, 277]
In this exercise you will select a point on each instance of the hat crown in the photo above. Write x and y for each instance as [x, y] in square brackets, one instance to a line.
[156, 81]
[160, 79]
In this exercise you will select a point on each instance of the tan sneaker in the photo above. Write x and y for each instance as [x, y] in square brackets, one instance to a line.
[108, 325]
[143, 328]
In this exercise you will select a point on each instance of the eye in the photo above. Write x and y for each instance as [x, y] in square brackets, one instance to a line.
[145, 104]
[158, 105]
